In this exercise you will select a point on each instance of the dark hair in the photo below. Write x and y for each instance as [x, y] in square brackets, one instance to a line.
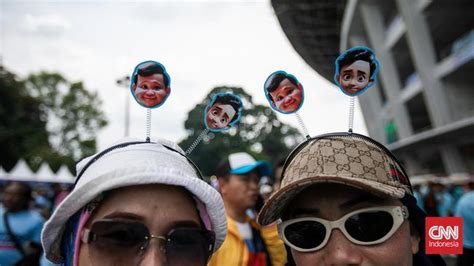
[275, 79]
[26, 192]
[353, 55]
[232, 101]
[223, 170]
[149, 69]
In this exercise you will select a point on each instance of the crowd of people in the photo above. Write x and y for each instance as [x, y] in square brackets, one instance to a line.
[336, 199]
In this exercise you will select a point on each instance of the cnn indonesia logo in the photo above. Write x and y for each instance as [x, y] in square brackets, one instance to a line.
[443, 235]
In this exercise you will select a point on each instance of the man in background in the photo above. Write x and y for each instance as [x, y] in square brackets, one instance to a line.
[20, 228]
[247, 243]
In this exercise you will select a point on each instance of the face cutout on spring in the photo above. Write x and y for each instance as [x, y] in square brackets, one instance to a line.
[150, 85]
[222, 112]
[355, 77]
[356, 70]
[220, 115]
[284, 92]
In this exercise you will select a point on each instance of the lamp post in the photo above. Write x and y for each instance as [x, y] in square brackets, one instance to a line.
[125, 82]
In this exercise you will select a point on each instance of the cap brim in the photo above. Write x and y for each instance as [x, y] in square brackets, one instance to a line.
[262, 167]
[278, 202]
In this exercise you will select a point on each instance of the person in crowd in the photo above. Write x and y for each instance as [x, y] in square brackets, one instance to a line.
[247, 244]
[60, 193]
[223, 112]
[431, 201]
[151, 84]
[444, 199]
[345, 200]
[137, 203]
[20, 227]
[465, 209]
[356, 70]
[418, 196]
[284, 92]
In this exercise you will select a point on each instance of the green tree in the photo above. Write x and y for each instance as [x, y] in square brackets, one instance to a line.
[46, 118]
[73, 113]
[23, 131]
[259, 133]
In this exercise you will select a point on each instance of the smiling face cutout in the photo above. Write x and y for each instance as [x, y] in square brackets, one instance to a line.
[222, 112]
[284, 92]
[150, 84]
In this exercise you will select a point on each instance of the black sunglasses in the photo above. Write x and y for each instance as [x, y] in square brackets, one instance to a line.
[125, 144]
[125, 242]
[352, 135]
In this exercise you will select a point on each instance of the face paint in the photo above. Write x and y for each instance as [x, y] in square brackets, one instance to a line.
[139, 90]
[287, 97]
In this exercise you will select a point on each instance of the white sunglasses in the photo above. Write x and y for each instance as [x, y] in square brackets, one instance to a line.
[367, 226]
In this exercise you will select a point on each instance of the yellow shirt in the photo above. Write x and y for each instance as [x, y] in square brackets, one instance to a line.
[234, 251]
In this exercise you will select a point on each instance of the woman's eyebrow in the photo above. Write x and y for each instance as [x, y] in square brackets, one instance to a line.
[124, 215]
[364, 198]
[184, 223]
[305, 212]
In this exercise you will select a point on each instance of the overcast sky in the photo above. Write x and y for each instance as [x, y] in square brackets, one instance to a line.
[203, 44]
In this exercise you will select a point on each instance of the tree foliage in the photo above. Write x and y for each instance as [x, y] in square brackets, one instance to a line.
[47, 118]
[259, 133]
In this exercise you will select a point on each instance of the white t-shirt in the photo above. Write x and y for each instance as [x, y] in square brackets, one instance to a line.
[245, 230]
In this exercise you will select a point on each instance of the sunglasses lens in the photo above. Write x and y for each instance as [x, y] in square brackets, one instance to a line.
[305, 234]
[116, 241]
[369, 226]
[188, 246]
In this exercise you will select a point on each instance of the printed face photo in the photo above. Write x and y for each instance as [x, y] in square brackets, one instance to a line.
[222, 112]
[284, 92]
[220, 115]
[287, 97]
[150, 84]
[356, 70]
[355, 77]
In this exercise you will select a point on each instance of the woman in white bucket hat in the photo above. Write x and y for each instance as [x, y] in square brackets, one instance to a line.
[137, 203]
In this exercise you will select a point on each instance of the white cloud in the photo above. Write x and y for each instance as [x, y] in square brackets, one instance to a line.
[50, 25]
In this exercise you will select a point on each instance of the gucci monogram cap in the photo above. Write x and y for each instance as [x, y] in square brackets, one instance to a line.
[345, 158]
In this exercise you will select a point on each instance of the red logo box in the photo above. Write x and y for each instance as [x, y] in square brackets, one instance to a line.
[443, 235]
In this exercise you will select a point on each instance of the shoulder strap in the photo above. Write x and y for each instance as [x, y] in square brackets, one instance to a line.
[12, 236]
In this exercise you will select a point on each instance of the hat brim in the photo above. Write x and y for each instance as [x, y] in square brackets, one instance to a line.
[278, 202]
[262, 167]
[121, 168]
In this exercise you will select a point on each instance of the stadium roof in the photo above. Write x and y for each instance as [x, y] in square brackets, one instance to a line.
[313, 28]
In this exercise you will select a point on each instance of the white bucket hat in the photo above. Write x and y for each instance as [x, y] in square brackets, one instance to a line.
[157, 162]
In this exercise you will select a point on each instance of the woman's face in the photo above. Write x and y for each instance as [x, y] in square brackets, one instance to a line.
[154, 206]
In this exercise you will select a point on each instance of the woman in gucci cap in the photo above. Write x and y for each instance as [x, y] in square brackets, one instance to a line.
[345, 200]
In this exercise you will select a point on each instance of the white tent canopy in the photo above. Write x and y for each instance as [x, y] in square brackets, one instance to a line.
[45, 174]
[22, 172]
[64, 176]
